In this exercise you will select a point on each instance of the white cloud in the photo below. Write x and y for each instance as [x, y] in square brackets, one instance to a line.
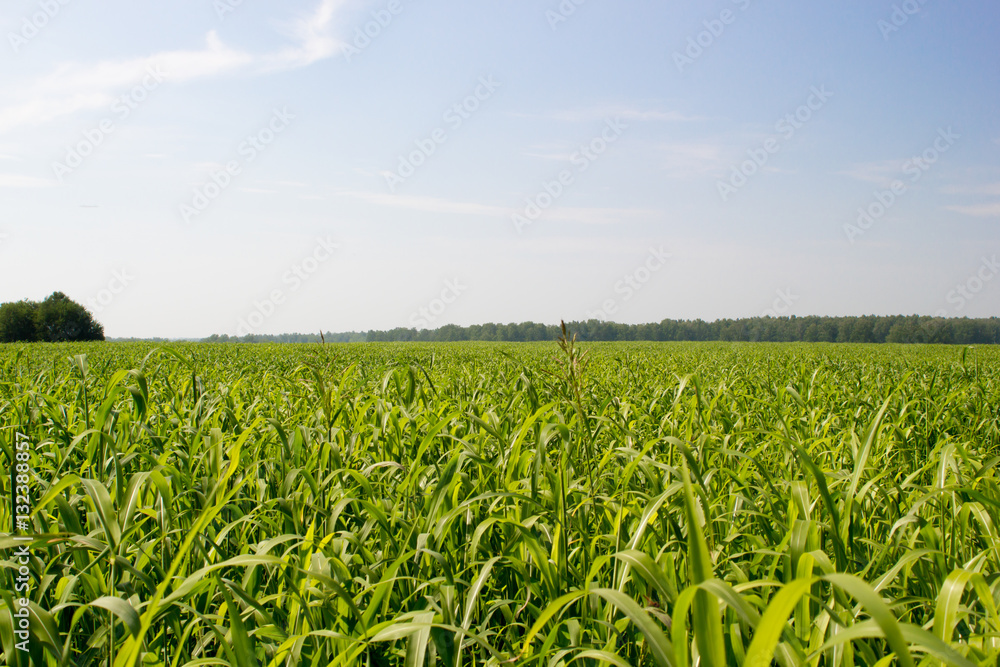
[987, 210]
[556, 157]
[427, 204]
[207, 168]
[682, 159]
[586, 215]
[697, 158]
[882, 172]
[313, 34]
[75, 87]
[650, 115]
[19, 181]
[991, 189]
[979, 211]
[43, 108]
[600, 216]
[613, 111]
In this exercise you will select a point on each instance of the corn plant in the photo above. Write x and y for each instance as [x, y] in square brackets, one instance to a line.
[497, 504]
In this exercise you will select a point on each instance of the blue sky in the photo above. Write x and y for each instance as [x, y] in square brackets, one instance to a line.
[216, 166]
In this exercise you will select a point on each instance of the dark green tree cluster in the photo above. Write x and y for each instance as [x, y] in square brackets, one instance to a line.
[57, 319]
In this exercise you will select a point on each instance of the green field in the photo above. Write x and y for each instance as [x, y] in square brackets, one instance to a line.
[498, 504]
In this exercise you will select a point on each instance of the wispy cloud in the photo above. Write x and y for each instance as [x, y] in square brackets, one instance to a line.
[979, 210]
[75, 87]
[881, 172]
[601, 216]
[775, 170]
[696, 159]
[427, 204]
[677, 159]
[19, 181]
[594, 114]
[586, 215]
[314, 37]
[556, 157]
[206, 168]
[989, 189]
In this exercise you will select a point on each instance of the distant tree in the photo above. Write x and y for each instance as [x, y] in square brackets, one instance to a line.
[56, 319]
[62, 319]
[19, 322]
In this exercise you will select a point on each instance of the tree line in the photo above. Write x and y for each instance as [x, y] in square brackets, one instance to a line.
[328, 337]
[863, 329]
[58, 319]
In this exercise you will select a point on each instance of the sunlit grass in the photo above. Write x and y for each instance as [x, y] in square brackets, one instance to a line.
[478, 504]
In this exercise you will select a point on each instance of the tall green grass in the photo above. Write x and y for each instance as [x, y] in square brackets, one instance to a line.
[476, 504]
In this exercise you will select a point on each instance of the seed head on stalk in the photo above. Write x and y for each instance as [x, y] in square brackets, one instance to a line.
[575, 361]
